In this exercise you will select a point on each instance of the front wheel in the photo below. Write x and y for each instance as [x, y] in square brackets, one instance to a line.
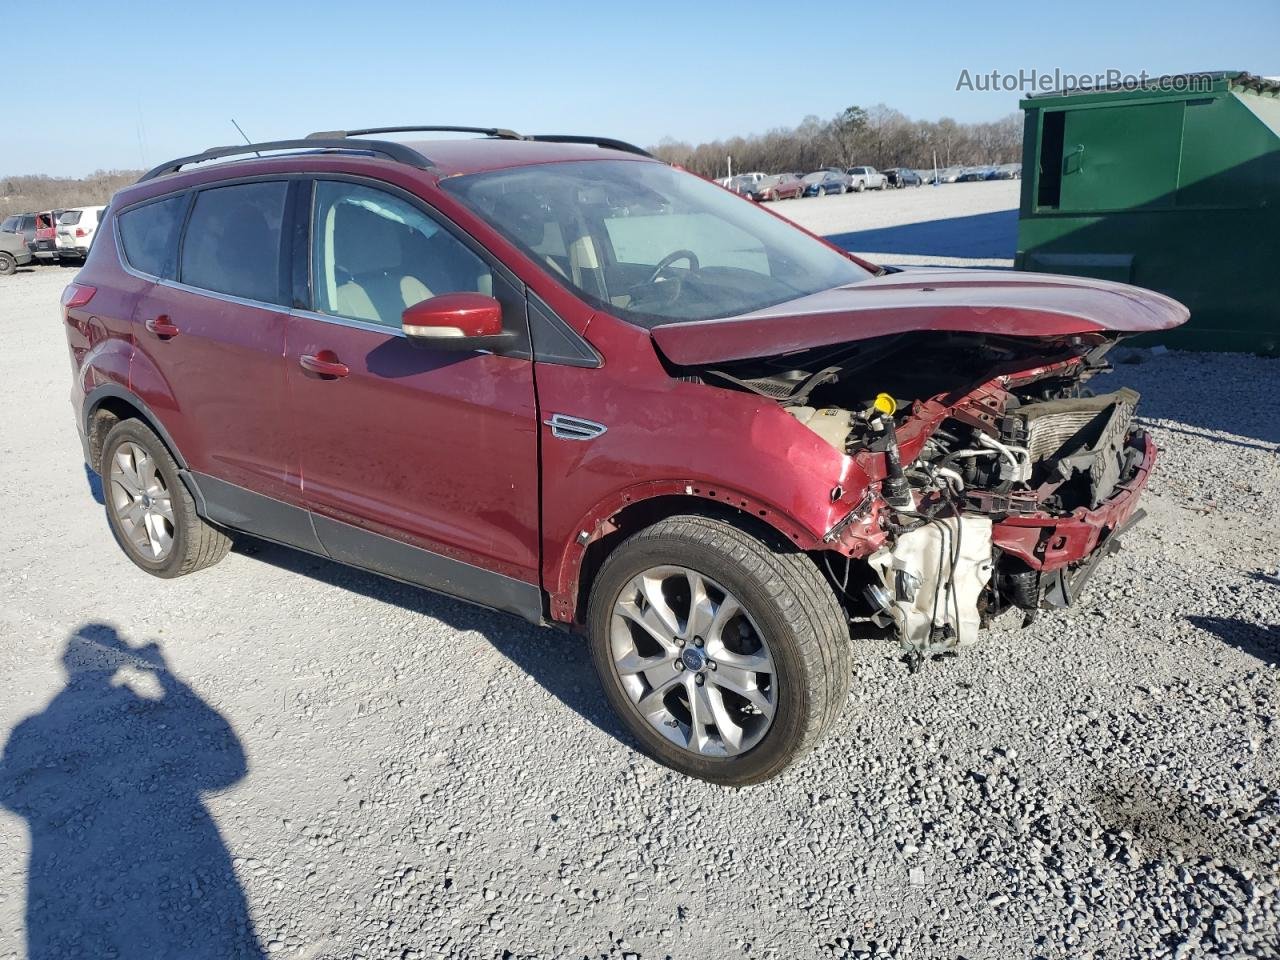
[8, 265]
[727, 658]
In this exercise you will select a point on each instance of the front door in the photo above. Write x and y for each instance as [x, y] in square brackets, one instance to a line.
[421, 464]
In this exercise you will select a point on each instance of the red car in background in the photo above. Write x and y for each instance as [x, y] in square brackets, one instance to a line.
[782, 186]
[557, 377]
[45, 245]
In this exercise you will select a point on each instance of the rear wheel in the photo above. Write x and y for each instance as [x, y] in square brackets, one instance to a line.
[728, 659]
[8, 265]
[820, 192]
[151, 513]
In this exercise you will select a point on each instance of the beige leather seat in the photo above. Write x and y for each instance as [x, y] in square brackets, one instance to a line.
[372, 252]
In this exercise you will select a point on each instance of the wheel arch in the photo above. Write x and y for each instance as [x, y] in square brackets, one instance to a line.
[632, 510]
[107, 405]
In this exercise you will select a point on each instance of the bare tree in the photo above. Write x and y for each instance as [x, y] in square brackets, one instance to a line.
[880, 136]
[847, 134]
[37, 192]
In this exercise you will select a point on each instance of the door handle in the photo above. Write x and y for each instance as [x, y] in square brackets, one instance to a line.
[163, 327]
[324, 364]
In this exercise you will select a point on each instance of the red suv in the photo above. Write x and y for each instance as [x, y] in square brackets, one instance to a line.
[557, 377]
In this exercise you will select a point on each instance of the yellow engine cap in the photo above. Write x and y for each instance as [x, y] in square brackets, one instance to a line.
[886, 404]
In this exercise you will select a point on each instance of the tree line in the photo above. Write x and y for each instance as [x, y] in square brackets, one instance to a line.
[36, 193]
[880, 137]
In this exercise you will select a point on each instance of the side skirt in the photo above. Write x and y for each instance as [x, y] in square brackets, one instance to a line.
[239, 509]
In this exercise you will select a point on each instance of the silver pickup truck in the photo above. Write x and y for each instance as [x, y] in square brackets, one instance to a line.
[867, 178]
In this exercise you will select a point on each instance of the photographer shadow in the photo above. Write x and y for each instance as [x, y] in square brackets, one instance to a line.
[126, 861]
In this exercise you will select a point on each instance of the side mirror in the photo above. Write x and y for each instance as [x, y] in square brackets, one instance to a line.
[455, 321]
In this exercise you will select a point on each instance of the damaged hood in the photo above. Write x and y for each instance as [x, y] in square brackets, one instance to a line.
[960, 301]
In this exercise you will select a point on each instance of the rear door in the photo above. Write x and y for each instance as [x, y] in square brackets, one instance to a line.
[418, 463]
[210, 339]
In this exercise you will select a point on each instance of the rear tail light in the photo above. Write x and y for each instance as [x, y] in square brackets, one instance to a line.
[77, 295]
[80, 234]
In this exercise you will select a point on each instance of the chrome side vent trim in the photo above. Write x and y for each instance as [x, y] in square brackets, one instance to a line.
[574, 428]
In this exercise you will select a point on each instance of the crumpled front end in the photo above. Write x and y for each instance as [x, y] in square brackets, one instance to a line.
[1011, 511]
[996, 478]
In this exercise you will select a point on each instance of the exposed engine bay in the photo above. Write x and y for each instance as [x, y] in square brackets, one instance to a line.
[977, 447]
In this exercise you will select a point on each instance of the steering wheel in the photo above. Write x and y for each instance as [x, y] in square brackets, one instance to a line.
[671, 258]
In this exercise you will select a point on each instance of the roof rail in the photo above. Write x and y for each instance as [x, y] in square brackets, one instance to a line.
[383, 148]
[498, 132]
[607, 142]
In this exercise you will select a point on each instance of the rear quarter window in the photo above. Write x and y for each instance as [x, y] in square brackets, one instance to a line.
[149, 235]
[71, 217]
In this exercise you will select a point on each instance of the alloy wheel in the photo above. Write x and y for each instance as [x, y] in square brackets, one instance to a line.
[693, 662]
[141, 501]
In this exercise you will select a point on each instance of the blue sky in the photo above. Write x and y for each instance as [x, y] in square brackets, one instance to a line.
[130, 84]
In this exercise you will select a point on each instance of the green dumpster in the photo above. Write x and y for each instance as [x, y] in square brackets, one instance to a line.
[1172, 185]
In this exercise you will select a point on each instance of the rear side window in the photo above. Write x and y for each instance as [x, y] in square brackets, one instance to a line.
[149, 235]
[232, 241]
[10, 224]
[71, 217]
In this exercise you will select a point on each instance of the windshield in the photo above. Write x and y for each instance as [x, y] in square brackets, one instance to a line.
[650, 243]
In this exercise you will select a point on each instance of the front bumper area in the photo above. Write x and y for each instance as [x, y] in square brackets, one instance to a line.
[1047, 544]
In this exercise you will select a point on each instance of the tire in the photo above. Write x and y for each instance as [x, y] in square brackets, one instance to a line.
[8, 265]
[788, 604]
[131, 454]
[859, 187]
[820, 192]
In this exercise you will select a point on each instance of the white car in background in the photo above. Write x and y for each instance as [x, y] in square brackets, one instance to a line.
[75, 232]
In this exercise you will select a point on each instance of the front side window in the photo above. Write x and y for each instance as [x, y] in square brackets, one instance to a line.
[149, 235]
[232, 241]
[653, 244]
[373, 255]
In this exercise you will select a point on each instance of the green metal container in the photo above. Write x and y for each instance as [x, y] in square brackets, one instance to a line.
[1174, 186]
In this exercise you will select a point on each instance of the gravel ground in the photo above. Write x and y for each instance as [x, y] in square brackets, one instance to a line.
[279, 755]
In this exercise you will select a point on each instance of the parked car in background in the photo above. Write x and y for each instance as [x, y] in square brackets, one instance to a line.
[75, 232]
[13, 252]
[23, 224]
[946, 175]
[973, 174]
[45, 245]
[1006, 171]
[743, 186]
[822, 182]
[866, 178]
[900, 177]
[783, 186]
